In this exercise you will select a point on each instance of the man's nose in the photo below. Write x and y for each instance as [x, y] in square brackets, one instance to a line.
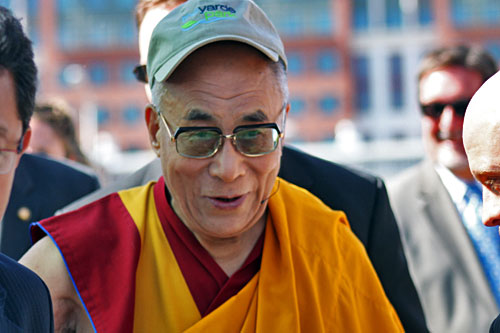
[491, 208]
[227, 164]
[450, 121]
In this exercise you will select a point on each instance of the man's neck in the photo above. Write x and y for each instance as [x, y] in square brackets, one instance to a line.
[231, 253]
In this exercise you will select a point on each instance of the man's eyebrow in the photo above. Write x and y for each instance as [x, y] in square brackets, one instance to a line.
[197, 114]
[257, 116]
[493, 173]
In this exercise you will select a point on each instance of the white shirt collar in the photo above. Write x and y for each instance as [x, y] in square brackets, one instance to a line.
[454, 185]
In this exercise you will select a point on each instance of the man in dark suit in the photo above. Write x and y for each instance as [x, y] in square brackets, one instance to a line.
[25, 304]
[362, 197]
[41, 187]
[437, 201]
[482, 144]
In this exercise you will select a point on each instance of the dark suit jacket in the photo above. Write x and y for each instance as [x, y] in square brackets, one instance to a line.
[495, 326]
[41, 186]
[453, 288]
[364, 200]
[25, 304]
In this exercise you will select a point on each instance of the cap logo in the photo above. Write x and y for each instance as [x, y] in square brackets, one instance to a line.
[207, 14]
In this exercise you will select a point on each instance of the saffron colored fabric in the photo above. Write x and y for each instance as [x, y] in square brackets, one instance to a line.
[208, 284]
[315, 275]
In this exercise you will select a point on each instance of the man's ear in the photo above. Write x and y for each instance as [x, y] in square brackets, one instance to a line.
[283, 128]
[25, 143]
[26, 139]
[153, 124]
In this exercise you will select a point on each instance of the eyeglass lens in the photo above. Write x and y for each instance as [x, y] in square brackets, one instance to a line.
[249, 142]
[435, 110]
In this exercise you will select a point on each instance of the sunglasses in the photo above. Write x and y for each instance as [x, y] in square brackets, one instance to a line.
[140, 73]
[435, 110]
[204, 142]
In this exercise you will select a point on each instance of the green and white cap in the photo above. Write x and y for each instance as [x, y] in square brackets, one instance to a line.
[197, 23]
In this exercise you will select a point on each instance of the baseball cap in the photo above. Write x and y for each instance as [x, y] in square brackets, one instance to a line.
[197, 23]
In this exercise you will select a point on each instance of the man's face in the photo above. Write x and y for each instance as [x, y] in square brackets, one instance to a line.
[483, 150]
[482, 143]
[10, 134]
[45, 140]
[442, 133]
[221, 86]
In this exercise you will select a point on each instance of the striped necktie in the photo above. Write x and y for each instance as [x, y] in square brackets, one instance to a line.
[486, 240]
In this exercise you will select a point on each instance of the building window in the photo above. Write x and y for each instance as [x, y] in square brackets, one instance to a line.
[291, 25]
[65, 6]
[98, 73]
[5, 3]
[393, 15]
[469, 13]
[131, 115]
[361, 71]
[103, 116]
[126, 71]
[328, 61]
[360, 15]
[425, 16]
[295, 63]
[132, 148]
[390, 14]
[125, 4]
[71, 75]
[95, 23]
[33, 21]
[297, 106]
[96, 5]
[493, 47]
[295, 18]
[396, 81]
[329, 104]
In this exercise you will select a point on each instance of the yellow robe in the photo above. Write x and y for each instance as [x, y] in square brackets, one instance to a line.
[315, 275]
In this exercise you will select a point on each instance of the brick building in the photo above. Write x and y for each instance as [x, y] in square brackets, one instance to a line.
[348, 59]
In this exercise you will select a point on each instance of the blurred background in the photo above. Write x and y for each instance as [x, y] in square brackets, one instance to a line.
[352, 72]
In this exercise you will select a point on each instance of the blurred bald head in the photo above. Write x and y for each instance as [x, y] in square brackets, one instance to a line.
[481, 136]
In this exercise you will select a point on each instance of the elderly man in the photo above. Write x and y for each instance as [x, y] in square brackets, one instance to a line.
[25, 301]
[218, 243]
[482, 143]
[362, 197]
[436, 201]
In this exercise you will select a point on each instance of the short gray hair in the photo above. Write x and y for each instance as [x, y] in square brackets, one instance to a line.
[158, 93]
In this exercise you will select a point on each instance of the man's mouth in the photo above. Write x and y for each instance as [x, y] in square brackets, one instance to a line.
[227, 202]
[228, 199]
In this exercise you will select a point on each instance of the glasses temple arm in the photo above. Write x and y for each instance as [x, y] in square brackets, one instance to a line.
[165, 123]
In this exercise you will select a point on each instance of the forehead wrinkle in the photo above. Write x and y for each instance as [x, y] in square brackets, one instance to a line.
[199, 114]
[224, 94]
[482, 161]
[228, 89]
